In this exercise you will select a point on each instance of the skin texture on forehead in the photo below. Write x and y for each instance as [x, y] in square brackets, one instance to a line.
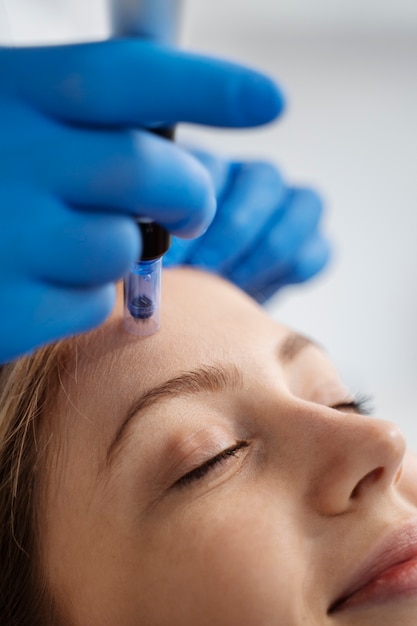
[271, 534]
[214, 306]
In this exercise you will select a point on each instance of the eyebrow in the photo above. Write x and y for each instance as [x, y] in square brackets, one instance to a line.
[208, 378]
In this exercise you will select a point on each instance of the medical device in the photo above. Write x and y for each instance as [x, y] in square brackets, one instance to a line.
[150, 19]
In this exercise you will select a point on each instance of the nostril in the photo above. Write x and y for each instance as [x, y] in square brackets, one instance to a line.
[368, 480]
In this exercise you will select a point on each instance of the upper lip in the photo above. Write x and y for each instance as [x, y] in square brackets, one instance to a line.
[398, 547]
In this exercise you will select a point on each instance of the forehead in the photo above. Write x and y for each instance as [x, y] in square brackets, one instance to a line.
[203, 319]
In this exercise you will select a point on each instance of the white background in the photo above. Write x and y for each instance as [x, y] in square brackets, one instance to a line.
[349, 68]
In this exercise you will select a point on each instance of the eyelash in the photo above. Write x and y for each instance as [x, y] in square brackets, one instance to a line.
[361, 404]
[200, 472]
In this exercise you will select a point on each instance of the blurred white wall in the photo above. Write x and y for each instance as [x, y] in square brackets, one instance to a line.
[54, 20]
[308, 14]
[349, 70]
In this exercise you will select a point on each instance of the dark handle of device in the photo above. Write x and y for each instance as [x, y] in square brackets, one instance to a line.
[156, 240]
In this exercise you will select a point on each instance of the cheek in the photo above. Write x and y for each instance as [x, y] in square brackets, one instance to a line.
[232, 556]
[225, 564]
[408, 484]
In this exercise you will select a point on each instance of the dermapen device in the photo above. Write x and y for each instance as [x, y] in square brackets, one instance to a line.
[142, 284]
[157, 20]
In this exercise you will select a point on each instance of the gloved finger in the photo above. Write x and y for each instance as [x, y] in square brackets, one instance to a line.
[218, 168]
[253, 195]
[280, 243]
[56, 245]
[138, 173]
[139, 83]
[81, 249]
[116, 170]
[41, 314]
[219, 171]
[313, 257]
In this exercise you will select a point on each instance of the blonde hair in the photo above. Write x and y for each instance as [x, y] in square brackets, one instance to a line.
[27, 386]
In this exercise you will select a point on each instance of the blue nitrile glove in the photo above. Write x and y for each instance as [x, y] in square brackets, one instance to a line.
[75, 167]
[264, 236]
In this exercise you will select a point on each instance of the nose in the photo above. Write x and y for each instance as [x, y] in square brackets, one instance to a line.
[355, 458]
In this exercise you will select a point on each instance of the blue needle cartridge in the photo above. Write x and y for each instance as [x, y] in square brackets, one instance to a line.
[142, 284]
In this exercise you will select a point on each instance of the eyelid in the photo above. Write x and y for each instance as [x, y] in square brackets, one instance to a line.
[202, 471]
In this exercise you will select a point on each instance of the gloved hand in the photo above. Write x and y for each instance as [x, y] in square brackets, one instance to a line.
[265, 235]
[76, 164]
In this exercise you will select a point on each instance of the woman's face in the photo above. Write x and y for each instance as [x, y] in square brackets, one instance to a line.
[217, 473]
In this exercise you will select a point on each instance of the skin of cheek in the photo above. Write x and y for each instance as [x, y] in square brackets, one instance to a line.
[407, 485]
[218, 560]
[228, 559]
[387, 615]
[229, 556]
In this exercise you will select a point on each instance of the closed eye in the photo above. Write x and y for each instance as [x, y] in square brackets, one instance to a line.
[208, 466]
[361, 404]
